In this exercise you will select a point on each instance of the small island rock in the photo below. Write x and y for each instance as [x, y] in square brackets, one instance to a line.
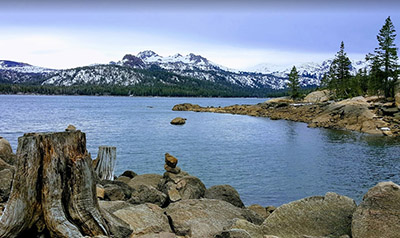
[178, 121]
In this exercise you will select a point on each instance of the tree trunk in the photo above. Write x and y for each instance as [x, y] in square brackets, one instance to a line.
[105, 162]
[53, 191]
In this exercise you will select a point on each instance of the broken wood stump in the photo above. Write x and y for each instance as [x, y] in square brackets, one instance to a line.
[53, 191]
[105, 162]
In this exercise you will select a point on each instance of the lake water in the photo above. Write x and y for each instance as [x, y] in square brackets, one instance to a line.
[269, 162]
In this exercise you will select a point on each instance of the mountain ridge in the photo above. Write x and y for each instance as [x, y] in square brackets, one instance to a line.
[191, 65]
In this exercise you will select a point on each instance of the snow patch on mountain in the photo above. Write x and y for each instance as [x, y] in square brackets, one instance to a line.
[23, 67]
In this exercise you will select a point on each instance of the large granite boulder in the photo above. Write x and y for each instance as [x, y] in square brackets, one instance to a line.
[5, 165]
[314, 216]
[182, 186]
[145, 179]
[203, 218]
[378, 215]
[318, 96]
[116, 190]
[225, 193]
[6, 152]
[243, 228]
[147, 194]
[5, 147]
[146, 220]
[260, 210]
[351, 114]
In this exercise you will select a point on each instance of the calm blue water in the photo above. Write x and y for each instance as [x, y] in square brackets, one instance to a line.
[268, 162]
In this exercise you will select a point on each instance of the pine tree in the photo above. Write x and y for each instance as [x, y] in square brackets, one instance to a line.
[384, 66]
[293, 83]
[339, 74]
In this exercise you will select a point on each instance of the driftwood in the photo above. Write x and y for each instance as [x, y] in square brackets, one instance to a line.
[105, 162]
[53, 193]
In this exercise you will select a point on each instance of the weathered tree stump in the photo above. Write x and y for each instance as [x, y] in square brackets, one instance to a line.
[53, 192]
[105, 162]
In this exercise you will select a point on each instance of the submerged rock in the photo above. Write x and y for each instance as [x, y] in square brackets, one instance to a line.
[378, 215]
[314, 216]
[178, 121]
[225, 193]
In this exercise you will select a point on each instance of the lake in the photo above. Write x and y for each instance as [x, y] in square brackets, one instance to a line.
[269, 162]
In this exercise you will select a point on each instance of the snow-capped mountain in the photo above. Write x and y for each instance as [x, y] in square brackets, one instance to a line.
[23, 67]
[176, 62]
[16, 72]
[131, 70]
[311, 71]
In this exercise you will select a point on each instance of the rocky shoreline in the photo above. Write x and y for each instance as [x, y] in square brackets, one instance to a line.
[176, 204]
[371, 115]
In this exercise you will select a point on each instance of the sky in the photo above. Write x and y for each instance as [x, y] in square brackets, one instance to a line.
[235, 34]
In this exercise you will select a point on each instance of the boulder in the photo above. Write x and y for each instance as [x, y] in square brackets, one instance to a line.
[6, 152]
[314, 216]
[6, 178]
[5, 147]
[5, 165]
[145, 179]
[124, 179]
[116, 190]
[378, 215]
[157, 235]
[260, 210]
[147, 194]
[286, 100]
[202, 218]
[245, 227]
[185, 107]
[113, 192]
[351, 114]
[170, 160]
[318, 96]
[144, 219]
[234, 233]
[178, 121]
[225, 193]
[182, 186]
[129, 174]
